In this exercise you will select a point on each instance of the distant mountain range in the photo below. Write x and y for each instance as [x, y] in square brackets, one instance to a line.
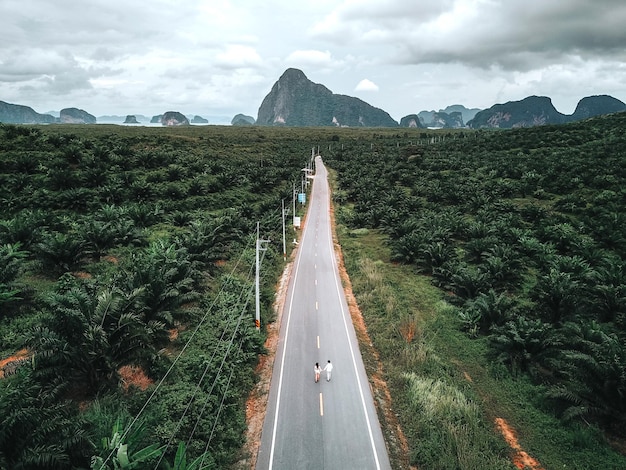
[294, 100]
[538, 110]
[450, 117]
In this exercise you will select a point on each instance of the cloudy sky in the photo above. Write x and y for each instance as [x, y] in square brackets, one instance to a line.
[221, 57]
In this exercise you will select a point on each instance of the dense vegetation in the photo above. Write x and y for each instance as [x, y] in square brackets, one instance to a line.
[488, 265]
[490, 270]
[126, 281]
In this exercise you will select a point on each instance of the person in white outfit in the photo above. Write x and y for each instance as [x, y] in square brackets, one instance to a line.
[317, 369]
[328, 369]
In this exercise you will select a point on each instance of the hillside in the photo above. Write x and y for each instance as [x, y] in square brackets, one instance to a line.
[453, 116]
[19, 114]
[296, 101]
[539, 111]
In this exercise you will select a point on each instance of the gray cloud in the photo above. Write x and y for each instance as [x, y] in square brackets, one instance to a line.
[115, 57]
[511, 34]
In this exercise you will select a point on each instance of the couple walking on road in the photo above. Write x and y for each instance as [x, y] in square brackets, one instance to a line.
[318, 371]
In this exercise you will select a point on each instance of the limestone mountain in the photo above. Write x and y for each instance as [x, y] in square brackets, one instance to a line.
[76, 116]
[242, 120]
[442, 119]
[453, 116]
[199, 120]
[19, 114]
[131, 119]
[531, 111]
[591, 106]
[539, 110]
[174, 118]
[412, 120]
[296, 101]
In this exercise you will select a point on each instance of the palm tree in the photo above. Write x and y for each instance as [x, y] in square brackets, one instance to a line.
[98, 237]
[467, 282]
[523, 343]
[610, 289]
[38, 430]
[25, 227]
[210, 239]
[59, 252]
[503, 264]
[594, 367]
[489, 309]
[89, 336]
[165, 276]
[11, 265]
[557, 294]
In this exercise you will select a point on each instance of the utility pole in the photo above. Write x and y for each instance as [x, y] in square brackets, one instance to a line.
[284, 242]
[259, 247]
[293, 192]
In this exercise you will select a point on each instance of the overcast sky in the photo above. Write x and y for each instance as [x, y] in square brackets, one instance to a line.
[220, 57]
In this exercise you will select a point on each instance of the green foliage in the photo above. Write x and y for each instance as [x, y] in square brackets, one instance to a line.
[114, 241]
[11, 266]
[522, 232]
[39, 430]
[120, 452]
[59, 252]
[89, 336]
[594, 366]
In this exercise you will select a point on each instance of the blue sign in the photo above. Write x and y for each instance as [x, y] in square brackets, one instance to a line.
[301, 198]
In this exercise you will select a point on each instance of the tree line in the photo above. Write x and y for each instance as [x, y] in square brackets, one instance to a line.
[524, 233]
[125, 260]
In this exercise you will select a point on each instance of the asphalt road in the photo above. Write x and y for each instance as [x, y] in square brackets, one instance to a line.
[329, 424]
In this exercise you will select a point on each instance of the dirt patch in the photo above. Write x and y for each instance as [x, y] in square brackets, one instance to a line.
[82, 275]
[11, 363]
[134, 376]
[521, 459]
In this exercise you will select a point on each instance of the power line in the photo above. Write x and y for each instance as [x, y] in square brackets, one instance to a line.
[198, 385]
[182, 351]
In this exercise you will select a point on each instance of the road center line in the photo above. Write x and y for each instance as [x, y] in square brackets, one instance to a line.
[321, 404]
[346, 317]
[284, 351]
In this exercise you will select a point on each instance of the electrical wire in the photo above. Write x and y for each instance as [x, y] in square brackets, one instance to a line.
[182, 351]
[198, 385]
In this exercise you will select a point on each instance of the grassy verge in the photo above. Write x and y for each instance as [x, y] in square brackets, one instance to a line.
[451, 401]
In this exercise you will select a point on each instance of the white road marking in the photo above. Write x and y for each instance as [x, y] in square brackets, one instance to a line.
[345, 323]
[282, 361]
